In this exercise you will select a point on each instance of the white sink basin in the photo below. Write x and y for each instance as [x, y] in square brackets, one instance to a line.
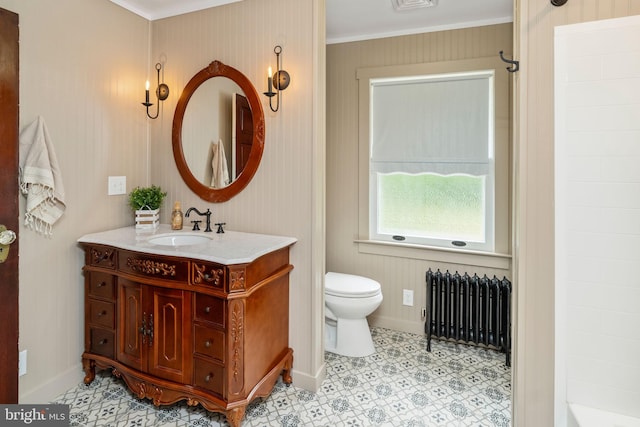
[178, 239]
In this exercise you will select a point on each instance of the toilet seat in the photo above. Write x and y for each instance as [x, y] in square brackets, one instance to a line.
[350, 286]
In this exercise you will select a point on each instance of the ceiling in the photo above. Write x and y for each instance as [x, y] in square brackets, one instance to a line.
[351, 20]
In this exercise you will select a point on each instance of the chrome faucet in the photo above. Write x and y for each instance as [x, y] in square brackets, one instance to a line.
[195, 223]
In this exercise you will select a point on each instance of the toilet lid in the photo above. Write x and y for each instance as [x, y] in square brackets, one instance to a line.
[350, 285]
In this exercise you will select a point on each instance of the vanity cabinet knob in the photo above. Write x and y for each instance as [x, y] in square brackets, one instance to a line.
[207, 309]
[208, 377]
[102, 313]
[102, 341]
[101, 284]
[207, 344]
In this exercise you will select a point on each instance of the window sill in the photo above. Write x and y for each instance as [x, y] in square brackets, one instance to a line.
[431, 253]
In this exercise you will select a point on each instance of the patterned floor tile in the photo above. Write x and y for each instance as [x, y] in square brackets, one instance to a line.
[401, 385]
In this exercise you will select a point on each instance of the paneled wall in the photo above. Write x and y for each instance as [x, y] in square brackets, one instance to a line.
[534, 266]
[281, 198]
[394, 273]
[82, 68]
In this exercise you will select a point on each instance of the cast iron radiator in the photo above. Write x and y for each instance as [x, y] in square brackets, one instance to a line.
[470, 309]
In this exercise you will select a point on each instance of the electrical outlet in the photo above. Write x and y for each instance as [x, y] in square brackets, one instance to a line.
[117, 185]
[22, 363]
[407, 297]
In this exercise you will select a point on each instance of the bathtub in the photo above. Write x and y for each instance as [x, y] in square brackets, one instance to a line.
[585, 416]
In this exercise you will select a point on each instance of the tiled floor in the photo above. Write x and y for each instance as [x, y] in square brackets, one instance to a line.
[400, 385]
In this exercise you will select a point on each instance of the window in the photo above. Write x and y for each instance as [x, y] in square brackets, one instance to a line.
[431, 160]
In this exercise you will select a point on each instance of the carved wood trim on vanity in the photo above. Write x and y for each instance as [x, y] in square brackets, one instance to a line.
[237, 279]
[149, 266]
[226, 359]
[236, 336]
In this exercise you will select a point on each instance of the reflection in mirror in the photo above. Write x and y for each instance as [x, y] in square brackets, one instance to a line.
[218, 132]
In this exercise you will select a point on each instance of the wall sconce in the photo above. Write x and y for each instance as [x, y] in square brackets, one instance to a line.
[279, 80]
[162, 93]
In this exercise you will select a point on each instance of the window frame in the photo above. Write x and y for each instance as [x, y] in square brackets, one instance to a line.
[488, 78]
[502, 162]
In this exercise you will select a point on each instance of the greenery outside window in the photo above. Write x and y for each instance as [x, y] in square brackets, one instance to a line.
[431, 208]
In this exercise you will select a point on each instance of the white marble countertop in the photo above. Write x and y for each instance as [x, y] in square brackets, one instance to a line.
[230, 247]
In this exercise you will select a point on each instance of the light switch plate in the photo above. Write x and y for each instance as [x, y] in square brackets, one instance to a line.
[407, 297]
[117, 185]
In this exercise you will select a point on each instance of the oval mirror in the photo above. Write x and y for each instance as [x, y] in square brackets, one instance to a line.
[218, 132]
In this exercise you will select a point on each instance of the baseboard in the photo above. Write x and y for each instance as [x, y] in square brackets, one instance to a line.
[308, 382]
[53, 388]
[396, 324]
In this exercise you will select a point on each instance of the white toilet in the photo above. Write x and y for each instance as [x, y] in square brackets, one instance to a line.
[348, 300]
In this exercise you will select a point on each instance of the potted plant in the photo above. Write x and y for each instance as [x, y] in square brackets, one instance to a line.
[146, 201]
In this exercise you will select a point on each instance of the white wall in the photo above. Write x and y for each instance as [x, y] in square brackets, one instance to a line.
[598, 216]
[82, 68]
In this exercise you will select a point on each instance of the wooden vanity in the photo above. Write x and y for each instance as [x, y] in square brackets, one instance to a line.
[205, 323]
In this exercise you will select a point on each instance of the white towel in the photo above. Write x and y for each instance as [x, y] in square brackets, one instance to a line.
[220, 175]
[40, 178]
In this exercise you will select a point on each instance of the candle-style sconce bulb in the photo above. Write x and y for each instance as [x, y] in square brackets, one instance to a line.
[146, 95]
[269, 91]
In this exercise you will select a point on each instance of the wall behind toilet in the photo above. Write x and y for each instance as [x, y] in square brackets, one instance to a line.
[343, 255]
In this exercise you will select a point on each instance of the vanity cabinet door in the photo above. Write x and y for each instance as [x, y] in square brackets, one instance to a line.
[170, 355]
[154, 330]
[132, 325]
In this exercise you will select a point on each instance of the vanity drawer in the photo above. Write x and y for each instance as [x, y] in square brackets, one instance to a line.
[100, 256]
[207, 274]
[209, 342]
[102, 342]
[101, 313]
[154, 266]
[101, 285]
[208, 375]
[209, 309]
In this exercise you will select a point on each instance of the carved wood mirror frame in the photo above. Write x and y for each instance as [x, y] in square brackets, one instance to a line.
[218, 69]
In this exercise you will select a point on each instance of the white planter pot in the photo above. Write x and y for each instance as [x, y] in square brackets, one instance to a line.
[146, 218]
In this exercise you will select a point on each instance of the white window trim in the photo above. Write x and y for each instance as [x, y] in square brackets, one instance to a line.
[434, 253]
[502, 233]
